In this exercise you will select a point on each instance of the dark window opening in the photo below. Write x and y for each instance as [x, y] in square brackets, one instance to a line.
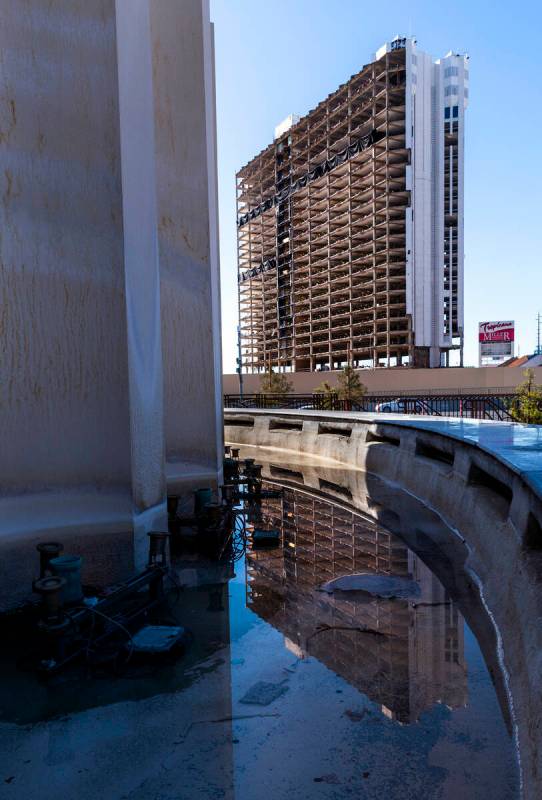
[239, 422]
[376, 437]
[479, 477]
[285, 425]
[427, 450]
[533, 533]
[334, 430]
[286, 474]
[329, 486]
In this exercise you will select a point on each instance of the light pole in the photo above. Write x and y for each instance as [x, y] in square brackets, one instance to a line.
[239, 362]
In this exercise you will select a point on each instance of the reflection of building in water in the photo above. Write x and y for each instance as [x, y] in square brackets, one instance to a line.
[414, 656]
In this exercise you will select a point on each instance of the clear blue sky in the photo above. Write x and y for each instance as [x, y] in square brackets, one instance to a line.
[282, 56]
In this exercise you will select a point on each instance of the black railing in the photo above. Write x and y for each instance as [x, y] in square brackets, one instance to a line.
[470, 406]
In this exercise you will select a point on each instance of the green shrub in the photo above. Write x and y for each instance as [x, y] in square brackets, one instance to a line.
[328, 393]
[275, 386]
[527, 406]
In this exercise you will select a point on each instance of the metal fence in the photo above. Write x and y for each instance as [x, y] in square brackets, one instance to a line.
[470, 406]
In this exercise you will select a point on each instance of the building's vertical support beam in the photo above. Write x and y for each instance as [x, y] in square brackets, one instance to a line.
[141, 270]
[214, 247]
[182, 52]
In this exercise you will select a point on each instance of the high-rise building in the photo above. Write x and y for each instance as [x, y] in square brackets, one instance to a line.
[350, 224]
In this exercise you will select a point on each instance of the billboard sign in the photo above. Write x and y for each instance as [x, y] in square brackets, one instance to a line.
[496, 342]
[496, 332]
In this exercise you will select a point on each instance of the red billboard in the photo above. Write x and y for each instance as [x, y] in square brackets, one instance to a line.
[496, 332]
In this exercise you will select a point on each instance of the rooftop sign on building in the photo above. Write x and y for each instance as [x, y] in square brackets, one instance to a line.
[495, 342]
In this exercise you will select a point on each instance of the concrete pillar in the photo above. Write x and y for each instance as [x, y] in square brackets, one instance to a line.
[188, 240]
[108, 269]
[141, 269]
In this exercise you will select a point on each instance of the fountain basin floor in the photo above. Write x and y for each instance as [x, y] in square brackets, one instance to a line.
[285, 690]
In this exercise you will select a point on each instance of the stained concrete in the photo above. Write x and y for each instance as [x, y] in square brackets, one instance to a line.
[106, 282]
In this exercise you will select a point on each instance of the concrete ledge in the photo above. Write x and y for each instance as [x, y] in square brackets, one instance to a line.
[97, 525]
[484, 479]
[183, 477]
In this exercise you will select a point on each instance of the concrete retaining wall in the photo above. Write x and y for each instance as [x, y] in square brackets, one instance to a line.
[482, 480]
[398, 381]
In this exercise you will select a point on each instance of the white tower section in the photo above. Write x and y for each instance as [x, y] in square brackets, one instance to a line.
[436, 99]
[453, 79]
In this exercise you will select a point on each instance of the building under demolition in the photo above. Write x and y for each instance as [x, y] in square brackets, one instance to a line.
[350, 225]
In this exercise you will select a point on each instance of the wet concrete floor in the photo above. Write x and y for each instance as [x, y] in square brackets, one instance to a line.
[284, 690]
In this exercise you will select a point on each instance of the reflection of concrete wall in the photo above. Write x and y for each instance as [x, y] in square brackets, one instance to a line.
[418, 526]
[412, 663]
[81, 307]
[454, 379]
[495, 507]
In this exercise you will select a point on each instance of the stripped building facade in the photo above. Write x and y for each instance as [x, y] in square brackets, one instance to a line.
[350, 225]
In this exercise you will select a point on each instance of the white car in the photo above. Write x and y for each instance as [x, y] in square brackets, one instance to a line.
[401, 405]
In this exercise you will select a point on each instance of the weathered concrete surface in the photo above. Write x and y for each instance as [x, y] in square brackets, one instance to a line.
[63, 336]
[141, 268]
[99, 308]
[485, 481]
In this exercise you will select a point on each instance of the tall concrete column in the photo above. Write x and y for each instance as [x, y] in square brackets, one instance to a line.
[188, 240]
[89, 331]
[141, 268]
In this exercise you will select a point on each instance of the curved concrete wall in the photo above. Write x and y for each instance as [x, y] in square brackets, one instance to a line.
[485, 482]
